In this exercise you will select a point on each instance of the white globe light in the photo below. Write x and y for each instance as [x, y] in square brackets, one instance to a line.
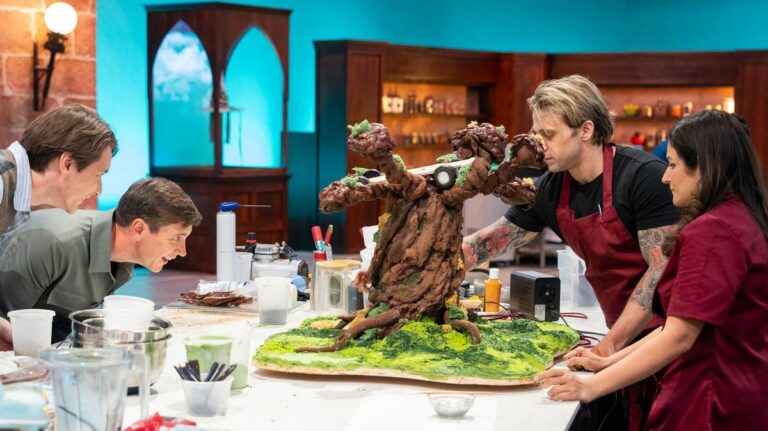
[60, 18]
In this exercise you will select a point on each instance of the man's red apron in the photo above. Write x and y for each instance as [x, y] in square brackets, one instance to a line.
[612, 255]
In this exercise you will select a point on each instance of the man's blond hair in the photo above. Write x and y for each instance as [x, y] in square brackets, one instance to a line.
[576, 100]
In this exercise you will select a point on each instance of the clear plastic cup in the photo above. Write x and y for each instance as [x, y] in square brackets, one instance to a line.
[207, 398]
[241, 355]
[243, 264]
[274, 298]
[31, 330]
[128, 313]
[207, 349]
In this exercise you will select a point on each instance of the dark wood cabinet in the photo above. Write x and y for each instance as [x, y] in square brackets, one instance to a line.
[219, 28]
[744, 71]
[352, 77]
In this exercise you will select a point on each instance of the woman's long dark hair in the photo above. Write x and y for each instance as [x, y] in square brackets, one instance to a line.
[719, 145]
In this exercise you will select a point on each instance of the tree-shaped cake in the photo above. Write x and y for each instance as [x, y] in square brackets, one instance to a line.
[418, 264]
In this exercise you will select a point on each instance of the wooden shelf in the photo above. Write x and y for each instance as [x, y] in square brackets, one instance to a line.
[648, 119]
[424, 114]
[446, 147]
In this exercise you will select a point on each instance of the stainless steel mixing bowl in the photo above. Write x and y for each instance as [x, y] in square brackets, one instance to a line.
[88, 331]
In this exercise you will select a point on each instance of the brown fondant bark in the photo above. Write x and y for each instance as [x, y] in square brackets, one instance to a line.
[215, 299]
[418, 266]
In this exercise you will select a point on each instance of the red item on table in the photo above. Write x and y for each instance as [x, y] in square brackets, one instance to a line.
[319, 255]
[317, 237]
[154, 422]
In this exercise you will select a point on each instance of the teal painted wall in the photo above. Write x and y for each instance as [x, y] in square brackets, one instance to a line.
[496, 25]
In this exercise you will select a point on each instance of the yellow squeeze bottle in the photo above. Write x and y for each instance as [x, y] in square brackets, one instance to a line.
[493, 291]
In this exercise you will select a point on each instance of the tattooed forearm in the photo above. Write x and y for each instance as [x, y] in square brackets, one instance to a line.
[494, 240]
[651, 241]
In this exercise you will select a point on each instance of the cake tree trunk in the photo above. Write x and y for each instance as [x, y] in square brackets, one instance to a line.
[418, 264]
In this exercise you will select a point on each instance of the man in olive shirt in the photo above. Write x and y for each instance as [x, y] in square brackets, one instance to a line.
[68, 262]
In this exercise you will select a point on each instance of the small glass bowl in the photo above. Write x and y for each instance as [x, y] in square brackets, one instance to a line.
[451, 405]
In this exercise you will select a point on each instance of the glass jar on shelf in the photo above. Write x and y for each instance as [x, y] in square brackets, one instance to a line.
[397, 103]
[429, 105]
[410, 105]
[386, 103]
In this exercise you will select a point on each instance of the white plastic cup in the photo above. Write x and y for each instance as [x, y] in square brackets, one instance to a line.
[243, 264]
[128, 313]
[274, 299]
[241, 355]
[31, 330]
[207, 399]
[368, 235]
[583, 294]
[366, 255]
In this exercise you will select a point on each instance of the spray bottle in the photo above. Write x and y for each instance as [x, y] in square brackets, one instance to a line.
[226, 229]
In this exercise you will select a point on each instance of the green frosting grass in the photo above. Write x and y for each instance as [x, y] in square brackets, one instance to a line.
[360, 128]
[398, 160]
[447, 158]
[462, 175]
[517, 349]
[349, 181]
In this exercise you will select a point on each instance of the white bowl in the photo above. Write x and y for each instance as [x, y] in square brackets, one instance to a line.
[451, 405]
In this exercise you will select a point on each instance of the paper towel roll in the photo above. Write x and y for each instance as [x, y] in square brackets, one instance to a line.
[225, 265]
[225, 231]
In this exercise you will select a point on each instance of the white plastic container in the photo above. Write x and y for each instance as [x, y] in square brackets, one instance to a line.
[207, 399]
[128, 313]
[243, 265]
[575, 290]
[584, 295]
[31, 330]
[274, 299]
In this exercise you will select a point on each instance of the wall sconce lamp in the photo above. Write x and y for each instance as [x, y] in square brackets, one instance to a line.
[61, 19]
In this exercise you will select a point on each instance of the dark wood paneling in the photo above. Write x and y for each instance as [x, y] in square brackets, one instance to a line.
[350, 76]
[409, 63]
[519, 74]
[270, 224]
[670, 68]
[746, 71]
[752, 104]
[364, 69]
[349, 89]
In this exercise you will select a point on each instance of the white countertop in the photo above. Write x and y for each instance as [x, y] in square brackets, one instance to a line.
[285, 401]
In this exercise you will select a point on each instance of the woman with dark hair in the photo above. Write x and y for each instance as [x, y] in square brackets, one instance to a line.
[713, 292]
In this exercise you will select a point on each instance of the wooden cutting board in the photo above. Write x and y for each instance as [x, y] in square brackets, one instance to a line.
[377, 372]
[194, 316]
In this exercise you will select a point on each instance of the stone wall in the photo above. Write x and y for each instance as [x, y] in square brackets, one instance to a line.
[74, 78]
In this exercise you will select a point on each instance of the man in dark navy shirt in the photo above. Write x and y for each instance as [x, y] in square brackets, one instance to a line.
[617, 230]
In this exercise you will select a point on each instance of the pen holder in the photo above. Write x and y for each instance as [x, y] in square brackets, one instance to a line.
[207, 398]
